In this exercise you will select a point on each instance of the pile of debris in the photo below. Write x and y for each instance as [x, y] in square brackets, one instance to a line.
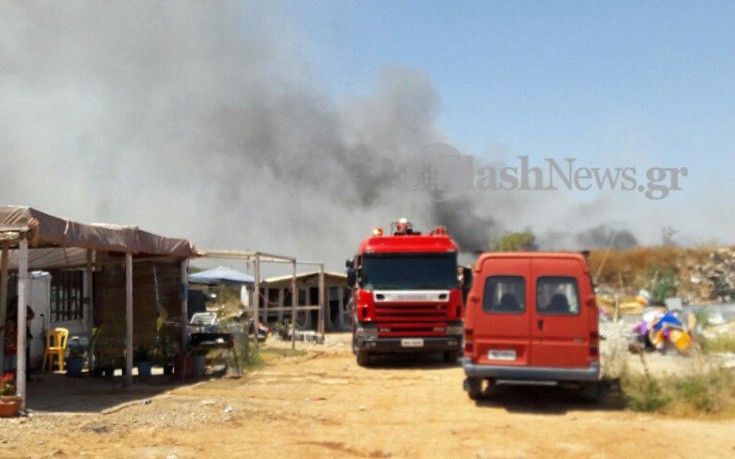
[715, 279]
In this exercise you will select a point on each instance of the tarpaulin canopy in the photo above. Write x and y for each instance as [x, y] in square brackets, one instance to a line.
[46, 231]
[221, 276]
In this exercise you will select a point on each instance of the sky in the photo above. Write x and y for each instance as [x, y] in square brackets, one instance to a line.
[280, 126]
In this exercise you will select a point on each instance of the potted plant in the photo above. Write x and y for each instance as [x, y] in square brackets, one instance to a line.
[9, 401]
[143, 359]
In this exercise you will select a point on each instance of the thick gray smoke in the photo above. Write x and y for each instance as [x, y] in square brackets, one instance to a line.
[602, 237]
[201, 120]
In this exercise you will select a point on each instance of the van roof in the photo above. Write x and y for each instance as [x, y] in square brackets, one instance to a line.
[544, 255]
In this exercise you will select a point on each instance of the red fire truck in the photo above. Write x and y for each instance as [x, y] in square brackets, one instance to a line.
[406, 295]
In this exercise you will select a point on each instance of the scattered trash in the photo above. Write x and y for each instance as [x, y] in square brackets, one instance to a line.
[657, 329]
[228, 410]
[363, 408]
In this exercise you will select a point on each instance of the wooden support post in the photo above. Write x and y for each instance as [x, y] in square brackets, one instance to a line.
[3, 295]
[266, 304]
[294, 299]
[129, 319]
[322, 305]
[256, 297]
[22, 315]
[89, 308]
[184, 293]
[280, 304]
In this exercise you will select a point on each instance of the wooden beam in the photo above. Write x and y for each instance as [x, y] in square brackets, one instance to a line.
[3, 296]
[294, 300]
[129, 319]
[322, 308]
[89, 307]
[22, 304]
[184, 291]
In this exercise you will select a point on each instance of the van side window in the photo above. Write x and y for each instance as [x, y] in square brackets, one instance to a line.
[504, 295]
[557, 296]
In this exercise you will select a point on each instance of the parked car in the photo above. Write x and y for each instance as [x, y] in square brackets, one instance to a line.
[531, 318]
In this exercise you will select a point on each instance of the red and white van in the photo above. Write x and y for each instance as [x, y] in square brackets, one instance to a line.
[531, 318]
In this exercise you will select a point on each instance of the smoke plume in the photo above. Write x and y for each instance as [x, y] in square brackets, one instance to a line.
[202, 120]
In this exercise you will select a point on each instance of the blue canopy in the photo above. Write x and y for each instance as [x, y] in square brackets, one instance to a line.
[221, 276]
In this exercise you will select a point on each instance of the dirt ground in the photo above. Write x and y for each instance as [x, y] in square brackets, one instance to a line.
[321, 404]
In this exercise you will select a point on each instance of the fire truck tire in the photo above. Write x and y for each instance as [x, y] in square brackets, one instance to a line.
[363, 358]
[474, 388]
[451, 356]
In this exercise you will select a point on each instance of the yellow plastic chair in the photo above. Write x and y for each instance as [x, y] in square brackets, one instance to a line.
[55, 346]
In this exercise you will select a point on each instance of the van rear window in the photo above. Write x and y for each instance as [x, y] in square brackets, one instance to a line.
[557, 296]
[504, 295]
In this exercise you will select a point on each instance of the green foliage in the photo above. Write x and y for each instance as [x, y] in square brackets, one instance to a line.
[644, 394]
[245, 355]
[663, 283]
[516, 242]
[7, 384]
[704, 390]
[723, 343]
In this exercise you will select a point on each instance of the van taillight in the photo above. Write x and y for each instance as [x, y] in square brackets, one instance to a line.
[594, 344]
[469, 341]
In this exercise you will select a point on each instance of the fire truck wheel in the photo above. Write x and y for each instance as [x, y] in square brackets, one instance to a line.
[363, 358]
[474, 388]
[451, 356]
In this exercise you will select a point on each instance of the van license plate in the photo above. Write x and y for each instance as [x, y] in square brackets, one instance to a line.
[501, 354]
[412, 342]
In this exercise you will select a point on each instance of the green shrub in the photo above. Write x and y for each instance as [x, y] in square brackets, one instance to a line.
[702, 391]
[722, 343]
[644, 394]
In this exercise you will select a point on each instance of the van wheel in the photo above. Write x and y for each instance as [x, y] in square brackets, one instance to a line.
[492, 388]
[451, 356]
[363, 358]
[591, 392]
[474, 388]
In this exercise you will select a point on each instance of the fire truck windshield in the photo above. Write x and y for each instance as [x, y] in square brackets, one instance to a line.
[409, 271]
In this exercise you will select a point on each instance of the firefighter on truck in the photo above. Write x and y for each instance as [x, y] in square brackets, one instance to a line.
[406, 294]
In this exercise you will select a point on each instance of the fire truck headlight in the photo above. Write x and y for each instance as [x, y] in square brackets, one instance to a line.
[366, 331]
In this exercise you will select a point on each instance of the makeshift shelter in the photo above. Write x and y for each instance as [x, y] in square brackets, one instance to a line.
[33, 240]
[277, 292]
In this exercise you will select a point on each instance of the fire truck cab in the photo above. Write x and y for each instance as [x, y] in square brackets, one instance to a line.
[406, 295]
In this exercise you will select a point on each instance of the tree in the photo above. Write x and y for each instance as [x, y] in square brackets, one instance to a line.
[516, 242]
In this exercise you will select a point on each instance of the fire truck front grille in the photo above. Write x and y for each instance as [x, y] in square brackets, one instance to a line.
[410, 312]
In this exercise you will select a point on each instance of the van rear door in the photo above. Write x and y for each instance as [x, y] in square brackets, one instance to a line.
[560, 331]
[501, 325]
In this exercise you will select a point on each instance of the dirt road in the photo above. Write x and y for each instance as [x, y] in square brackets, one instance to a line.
[322, 404]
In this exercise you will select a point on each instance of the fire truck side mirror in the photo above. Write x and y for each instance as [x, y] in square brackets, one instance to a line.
[351, 277]
[349, 264]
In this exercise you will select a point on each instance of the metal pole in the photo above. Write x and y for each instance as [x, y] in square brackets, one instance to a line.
[294, 299]
[322, 305]
[3, 296]
[256, 298]
[184, 303]
[129, 318]
[22, 304]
